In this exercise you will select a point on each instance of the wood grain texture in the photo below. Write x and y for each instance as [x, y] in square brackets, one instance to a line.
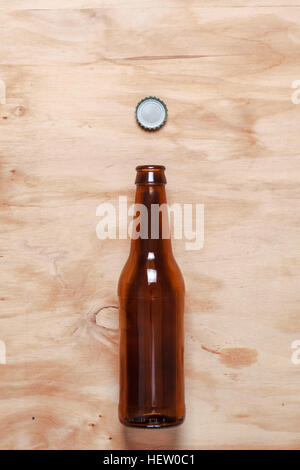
[74, 72]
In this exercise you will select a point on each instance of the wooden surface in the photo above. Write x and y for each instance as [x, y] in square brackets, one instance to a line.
[74, 71]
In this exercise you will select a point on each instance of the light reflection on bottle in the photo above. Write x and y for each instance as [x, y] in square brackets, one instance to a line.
[151, 275]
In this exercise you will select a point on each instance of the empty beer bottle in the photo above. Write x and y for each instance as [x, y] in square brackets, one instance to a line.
[151, 296]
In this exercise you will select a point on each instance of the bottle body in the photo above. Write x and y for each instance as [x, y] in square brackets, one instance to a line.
[151, 296]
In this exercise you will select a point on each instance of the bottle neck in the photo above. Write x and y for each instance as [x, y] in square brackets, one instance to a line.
[152, 221]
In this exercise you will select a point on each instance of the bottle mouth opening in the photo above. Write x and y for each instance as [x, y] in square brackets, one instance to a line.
[150, 167]
[151, 174]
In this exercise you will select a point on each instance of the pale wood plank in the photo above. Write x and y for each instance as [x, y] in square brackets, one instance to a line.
[88, 36]
[140, 4]
[69, 141]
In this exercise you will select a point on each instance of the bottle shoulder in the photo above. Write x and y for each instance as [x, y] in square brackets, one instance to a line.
[160, 276]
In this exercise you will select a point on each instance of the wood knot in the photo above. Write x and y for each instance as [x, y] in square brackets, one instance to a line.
[108, 317]
[19, 110]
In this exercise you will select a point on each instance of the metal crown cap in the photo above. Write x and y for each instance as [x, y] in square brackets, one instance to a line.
[151, 113]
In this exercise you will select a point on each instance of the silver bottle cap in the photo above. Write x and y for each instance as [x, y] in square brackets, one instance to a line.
[151, 113]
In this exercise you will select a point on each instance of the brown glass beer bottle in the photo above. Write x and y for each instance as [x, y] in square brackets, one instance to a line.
[151, 295]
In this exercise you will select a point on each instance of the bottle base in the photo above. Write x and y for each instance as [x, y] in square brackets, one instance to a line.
[152, 421]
